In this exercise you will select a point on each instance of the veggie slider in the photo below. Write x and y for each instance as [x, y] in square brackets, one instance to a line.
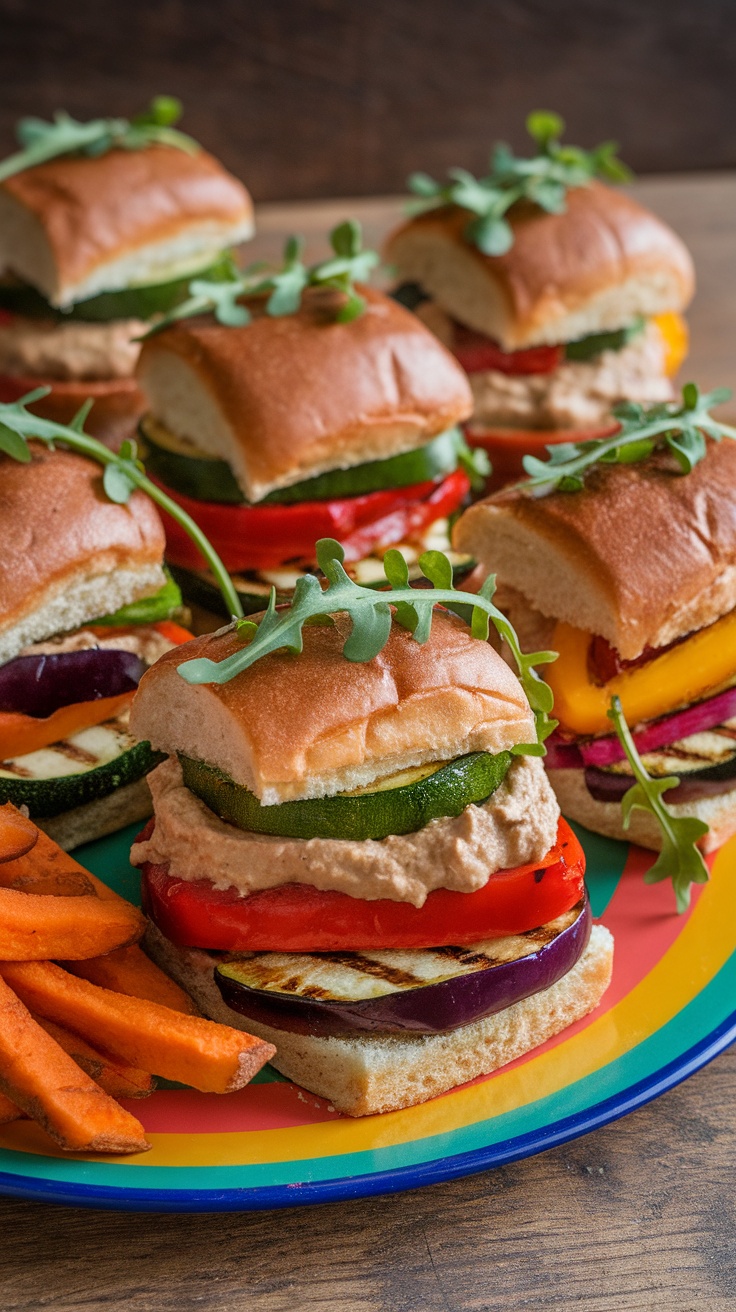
[559, 295]
[621, 556]
[313, 406]
[354, 820]
[102, 226]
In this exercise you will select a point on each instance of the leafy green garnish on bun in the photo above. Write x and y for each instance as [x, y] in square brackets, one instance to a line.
[41, 141]
[679, 860]
[283, 287]
[123, 471]
[372, 614]
[679, 429]
[544, 181]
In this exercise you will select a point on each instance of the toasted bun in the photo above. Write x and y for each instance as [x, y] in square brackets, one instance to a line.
[76, 226]
[69, 554]
[84, 824]
[316, 724]
[593, 268]
[383, 1073]
[718, 812]
[285, 398]
[641, 556]
[117, 403]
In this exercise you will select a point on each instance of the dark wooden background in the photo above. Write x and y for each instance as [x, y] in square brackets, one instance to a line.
[311, 98]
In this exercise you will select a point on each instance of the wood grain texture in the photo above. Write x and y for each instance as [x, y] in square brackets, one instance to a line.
[307, 98]
[638, 1217]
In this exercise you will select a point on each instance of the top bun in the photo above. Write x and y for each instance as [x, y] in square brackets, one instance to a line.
[316, 724]
[284, 399]
[591, 269]
[642, 555]
[76, 226]
[69, 554]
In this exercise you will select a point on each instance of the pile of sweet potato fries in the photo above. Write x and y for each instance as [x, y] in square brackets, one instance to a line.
[85, 1016]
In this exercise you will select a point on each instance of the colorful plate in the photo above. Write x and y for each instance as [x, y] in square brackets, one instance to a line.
[671, 1007]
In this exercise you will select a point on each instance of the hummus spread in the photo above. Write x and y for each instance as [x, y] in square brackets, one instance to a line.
[143, 641]
[517, 824]
[74, 350]
[578, 394]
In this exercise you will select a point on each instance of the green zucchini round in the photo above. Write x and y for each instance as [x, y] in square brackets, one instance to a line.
[51, 796]
[436, 791]
[201, 477]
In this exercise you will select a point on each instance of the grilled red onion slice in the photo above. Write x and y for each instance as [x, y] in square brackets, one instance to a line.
[670, 729]
[40, 685]
[481, 985]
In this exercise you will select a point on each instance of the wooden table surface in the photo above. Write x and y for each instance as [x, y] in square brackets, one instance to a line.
[635, 1217]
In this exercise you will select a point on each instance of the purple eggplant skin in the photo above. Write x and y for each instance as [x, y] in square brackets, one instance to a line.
[40, 685]
[431, 1009]
[711, 781]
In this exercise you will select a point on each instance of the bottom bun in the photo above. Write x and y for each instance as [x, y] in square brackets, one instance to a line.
[576, 803]
[366, 1074]
[125, 806]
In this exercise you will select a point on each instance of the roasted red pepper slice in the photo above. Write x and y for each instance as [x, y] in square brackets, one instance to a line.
[266, 537]
[299, 918]
[478, 353]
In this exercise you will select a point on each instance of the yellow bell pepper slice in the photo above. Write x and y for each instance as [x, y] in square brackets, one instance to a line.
[684, 674]
[674, 333]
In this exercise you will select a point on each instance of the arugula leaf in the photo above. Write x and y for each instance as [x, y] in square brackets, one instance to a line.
[544, 181]
[122, 472]
[680, 429]
[679, 860]
[285, 286]
[370, 613]
[41, 141]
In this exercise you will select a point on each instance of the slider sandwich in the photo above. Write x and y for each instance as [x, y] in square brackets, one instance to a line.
[85, 608]
[102, 227]
[623, 560]
[559, 295]
[296, 425]
[350, 854]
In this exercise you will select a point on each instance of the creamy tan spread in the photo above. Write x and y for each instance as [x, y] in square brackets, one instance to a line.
[143, 641]
[73, 350]
[578, 394]
[517, 824]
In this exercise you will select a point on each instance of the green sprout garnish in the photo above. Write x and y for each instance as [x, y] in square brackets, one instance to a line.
[679, 860]
[544, 181]
[284, 287]
[372, 614]
[679, 429]
[123, 472]
[41, 141]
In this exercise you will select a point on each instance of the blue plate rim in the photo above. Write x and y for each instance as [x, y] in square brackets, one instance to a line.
[346, 1188]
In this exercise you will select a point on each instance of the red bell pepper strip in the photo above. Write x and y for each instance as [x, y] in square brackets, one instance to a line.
[299, 918]
[266, 537]
[478, 354]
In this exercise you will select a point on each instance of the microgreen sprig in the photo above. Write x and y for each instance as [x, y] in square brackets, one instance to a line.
[41, 141]
[680, 429]
[123, 472]
[544, 180]
[679, 860]
[372, 614]
[285, 286]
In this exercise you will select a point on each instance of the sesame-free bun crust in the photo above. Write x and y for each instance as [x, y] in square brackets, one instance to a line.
[718, 812]
[68, 553]
[286, 398]
[314, 724]
[593, 268]
[117, 403]
[76, 226]
[642, 555]
[364, 1074]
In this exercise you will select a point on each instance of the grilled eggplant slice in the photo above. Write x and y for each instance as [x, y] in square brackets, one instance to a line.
[398, 991]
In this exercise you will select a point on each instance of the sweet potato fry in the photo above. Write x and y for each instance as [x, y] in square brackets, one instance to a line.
[212, 1058]
[130, 971]
[46, 869]
[17, 833]
[8, 1111]
[116, 1079]
[44, 1081]
[35, 927]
